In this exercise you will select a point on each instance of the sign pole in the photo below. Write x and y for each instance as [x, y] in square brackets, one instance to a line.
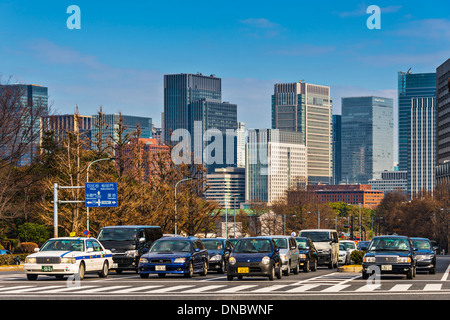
[55, 210]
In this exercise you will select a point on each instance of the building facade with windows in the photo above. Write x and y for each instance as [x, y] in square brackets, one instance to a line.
[443, 123]
[226, 186]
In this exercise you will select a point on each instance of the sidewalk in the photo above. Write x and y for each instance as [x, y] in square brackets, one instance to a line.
[350, 268]
[11, 268]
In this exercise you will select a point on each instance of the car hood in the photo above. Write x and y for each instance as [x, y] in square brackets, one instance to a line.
[62, 253]
[322, 245]
[419, 252]
[117, 246]
[250, 257]
[166, 255]
[215, 252]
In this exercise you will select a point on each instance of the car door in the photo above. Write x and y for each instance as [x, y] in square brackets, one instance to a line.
[294, 252]
[98, 258]
[89, 256]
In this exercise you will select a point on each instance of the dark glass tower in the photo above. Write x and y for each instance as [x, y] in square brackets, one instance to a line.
[194, 102]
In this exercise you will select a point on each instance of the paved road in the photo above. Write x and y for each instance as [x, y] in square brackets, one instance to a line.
[322, 284]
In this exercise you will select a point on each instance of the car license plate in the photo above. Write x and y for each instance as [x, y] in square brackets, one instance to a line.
[386, 267]
[243, 270]
[160, 268]
[47, 268]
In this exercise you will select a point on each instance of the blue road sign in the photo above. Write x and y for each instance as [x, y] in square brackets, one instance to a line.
[100, 194]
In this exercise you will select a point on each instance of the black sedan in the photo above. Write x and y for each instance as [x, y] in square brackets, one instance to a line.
[307, 253]
[219, 250]
[389, 255]
[425, 255]
[254, 257]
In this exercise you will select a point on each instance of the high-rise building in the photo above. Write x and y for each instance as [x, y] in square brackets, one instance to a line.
[275, 163]
[106, 128]
[367, 135]
[61, 124]
[410, 86]
[31, 103]
[443, 123]
[390, 181]
[240, 144]
[226, 186]
[194, 102]
[307, 108]
[337, 149]
[423, 145]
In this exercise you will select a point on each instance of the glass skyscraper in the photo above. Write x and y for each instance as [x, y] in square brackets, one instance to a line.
[194, 102]
[337, 149]
[367, 138]
[306, 108]
[410, 86]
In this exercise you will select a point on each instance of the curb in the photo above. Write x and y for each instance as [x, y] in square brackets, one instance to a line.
[350, 268]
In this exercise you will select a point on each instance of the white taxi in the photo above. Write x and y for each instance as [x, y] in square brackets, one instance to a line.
[68, 256]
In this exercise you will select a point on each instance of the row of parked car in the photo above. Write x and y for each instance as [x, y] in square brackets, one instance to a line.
[146, 250]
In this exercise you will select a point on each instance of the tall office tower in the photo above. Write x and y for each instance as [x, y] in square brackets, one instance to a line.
[226, 186]
[367, 138]
[240, 144]
[410, 85]
[306, 108]
[275, 162]
[30, 104]
[194, 102]
[337, 149]
[443, 123]
[107, 128]
[423, 145]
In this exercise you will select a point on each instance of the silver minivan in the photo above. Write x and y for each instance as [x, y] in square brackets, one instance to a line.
[327, 244]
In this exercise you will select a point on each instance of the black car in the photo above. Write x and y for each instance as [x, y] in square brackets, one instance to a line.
[219, 250]
[362, 245]
[307, 253]
[425, 255]
[390, 255]
[128, 244]
[257, 256]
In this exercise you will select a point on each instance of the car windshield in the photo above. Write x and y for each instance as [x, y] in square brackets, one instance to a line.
[281, 243]
[63, 245]
[171, 246]
[302, 243]
[389, 244]
[316, 236]
[421, 244]
[349, 245]
[341, 247]
[118, 234]
[253, 246]
[213, 244]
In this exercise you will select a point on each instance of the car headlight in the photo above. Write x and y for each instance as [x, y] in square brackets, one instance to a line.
[403, 260]
[131, 253]
[68, 260]
[143, 260]
[30, 260]
[283, 257]
[217, 257]
[232, 260]
[369, 259]
[265, 260]
[302, 256]
[180, 260]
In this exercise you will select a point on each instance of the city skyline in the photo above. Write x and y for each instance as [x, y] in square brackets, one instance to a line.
[119, 56]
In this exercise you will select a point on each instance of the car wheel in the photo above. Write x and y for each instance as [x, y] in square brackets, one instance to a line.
[297, 268]
[280, 272]
[81, 271]
[272, 273]
[222, 268]
[410, 274]
[433, 270]
[105, 269]
[286, 272]
[230, 278]
[32, 277]
[205, 269]
[306, 267]
[365, 275]
[190, 273]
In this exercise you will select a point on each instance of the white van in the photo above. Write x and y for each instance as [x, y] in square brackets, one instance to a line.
[327, 244]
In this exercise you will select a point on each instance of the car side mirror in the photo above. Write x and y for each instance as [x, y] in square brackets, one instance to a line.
[415, 249]
[196, 250]
[36, 250]
[142, 239]
[145, 250]
[277, 250]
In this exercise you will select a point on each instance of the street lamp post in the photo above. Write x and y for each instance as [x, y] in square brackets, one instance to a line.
[87, 180]
[176, 184]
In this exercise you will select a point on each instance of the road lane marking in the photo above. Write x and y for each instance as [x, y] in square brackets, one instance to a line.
[303, 288]
[15, 287]
[433, 287]
[237, 288]
[202, 289]
[169, 289]
[95, 290]
[336, 288]
[368, 288]
[132, 289]
[65, 289]
[400, 287]
[269, 289]
[446, 273]
[15, 290]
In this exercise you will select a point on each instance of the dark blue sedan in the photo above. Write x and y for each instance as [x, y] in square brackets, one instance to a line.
[175, 255]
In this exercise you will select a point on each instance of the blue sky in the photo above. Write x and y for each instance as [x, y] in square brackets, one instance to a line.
[118, 58]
